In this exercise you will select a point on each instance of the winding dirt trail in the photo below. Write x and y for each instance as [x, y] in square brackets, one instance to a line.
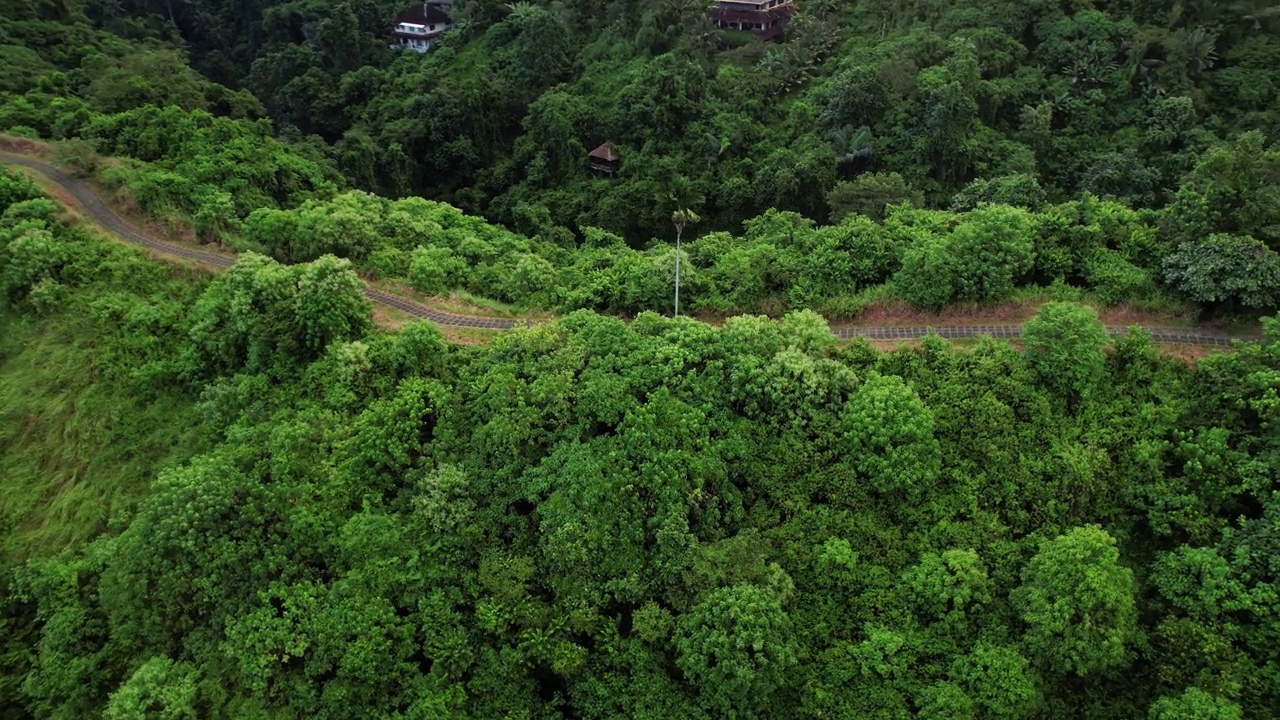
[102, 213]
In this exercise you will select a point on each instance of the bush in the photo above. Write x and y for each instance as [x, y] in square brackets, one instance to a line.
[1064, 347]
[388, 262]
[15, 188]
[993, 247]
[1226, 269]
[434, 270]
[30, 258]
[23, 131]
[79, 155]
[928, 273]
[1115, 280]
[1020, 190]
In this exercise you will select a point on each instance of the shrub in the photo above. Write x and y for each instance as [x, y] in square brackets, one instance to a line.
[1115, 280]
[1064, 347]
[433, 270]
[927, 277]
[1226, 269]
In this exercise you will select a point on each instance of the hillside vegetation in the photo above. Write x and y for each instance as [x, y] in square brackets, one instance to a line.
[1137, 142]
[599, 519]
[236, 497]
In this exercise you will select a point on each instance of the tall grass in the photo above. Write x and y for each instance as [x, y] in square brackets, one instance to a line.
[76, 446]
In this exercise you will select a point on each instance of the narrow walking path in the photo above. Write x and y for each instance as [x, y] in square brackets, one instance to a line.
[97, 208]
[1168, 335]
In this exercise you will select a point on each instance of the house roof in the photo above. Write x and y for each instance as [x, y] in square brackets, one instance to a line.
[424, 14]
[751, 16]
[606, 152]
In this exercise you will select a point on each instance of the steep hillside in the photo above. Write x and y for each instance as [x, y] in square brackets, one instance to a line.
[595, 519]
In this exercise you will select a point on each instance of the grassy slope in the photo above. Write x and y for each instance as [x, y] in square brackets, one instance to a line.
[79, 438]
[74, 445]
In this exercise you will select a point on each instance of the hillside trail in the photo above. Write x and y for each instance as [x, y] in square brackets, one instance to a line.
[101, 212]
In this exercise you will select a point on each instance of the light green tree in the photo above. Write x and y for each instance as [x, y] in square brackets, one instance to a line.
[330, 303]
[927, 278]
[1064, 347]
[158, 690]
[993, 247]
[1194, 704]
[998, 680]
[889, 437]
[1078, 603]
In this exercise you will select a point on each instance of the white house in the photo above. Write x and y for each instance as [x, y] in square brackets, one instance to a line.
[420, 26]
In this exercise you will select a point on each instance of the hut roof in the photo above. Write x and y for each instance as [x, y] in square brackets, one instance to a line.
[606, 152]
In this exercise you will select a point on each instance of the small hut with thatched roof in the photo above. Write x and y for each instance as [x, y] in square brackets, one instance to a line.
[605, 158]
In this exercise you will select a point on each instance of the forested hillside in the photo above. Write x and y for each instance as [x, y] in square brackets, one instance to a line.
[901, 101]
[592, 519]
[235, 496]
[1136, 140]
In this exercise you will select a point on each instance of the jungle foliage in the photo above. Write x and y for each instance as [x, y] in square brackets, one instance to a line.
[1141, 138]
[596, 519]
[235, 497]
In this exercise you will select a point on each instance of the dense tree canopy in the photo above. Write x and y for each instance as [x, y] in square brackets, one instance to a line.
[592, 518]
[239, 497]
[1126, 151]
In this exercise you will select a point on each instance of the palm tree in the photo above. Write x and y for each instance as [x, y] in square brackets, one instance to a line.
[1199, 45]
[850, 145]
[521, 10]
[682, 197]
[1258, 12]
[823, 9]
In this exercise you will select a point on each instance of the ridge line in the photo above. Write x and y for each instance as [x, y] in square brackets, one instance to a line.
[97, 208]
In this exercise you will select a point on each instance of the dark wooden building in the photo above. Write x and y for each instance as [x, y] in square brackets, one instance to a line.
[605, 158]
[765, 18]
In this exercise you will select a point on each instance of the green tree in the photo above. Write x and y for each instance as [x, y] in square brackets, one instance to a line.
[434, 270]
[1077, 601]
[735, 646]
[1194, 704]
[869, 193]
[1241, 183]
[927, 278]
[1227, 270]
[1019, 190]
[998, 680]
[31, 257]
[158, 690]
[952, 584]
[330, 303]
[157, 76]
[993, 247]
[1064, 347]
[889, 438]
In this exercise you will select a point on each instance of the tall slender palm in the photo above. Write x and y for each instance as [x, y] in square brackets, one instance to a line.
[682, 197]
